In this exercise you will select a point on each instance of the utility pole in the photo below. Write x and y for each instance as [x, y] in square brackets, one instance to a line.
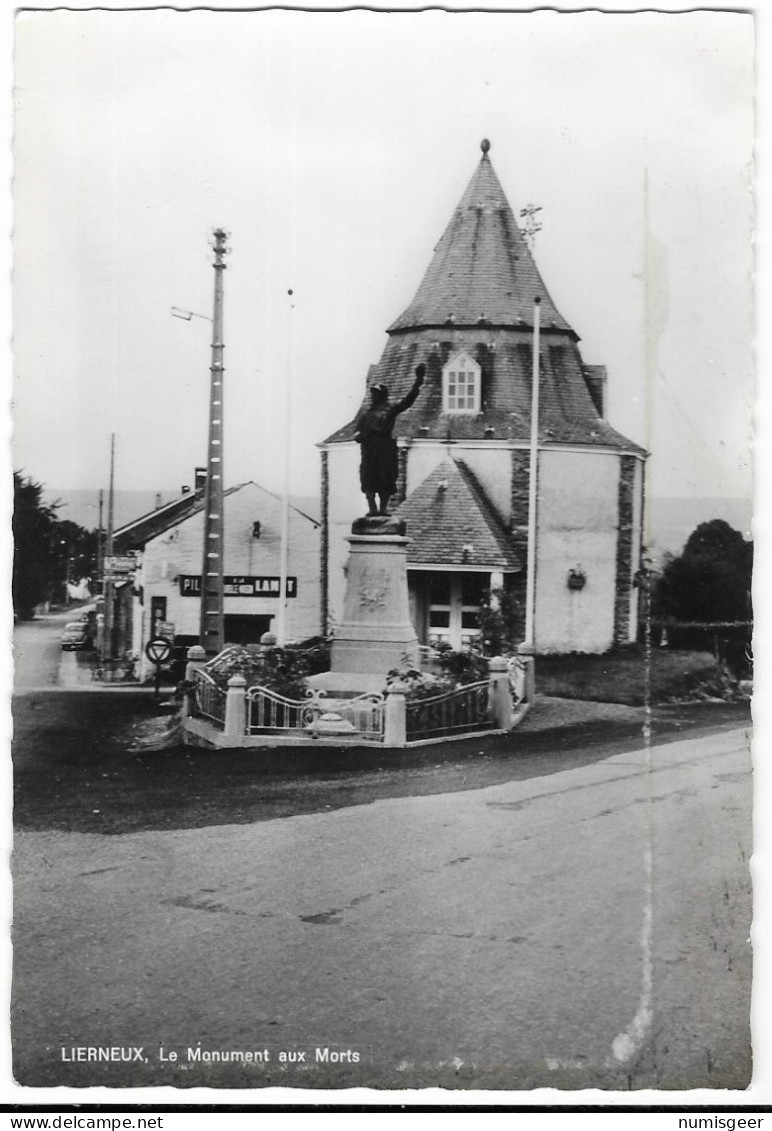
[108, 575]
[64, 542]
[212, 621]
[100, 562]
[650, 342]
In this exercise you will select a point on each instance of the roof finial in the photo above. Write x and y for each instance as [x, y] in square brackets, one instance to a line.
[485, 145]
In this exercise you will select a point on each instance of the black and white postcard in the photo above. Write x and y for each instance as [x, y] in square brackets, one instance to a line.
[382, 451]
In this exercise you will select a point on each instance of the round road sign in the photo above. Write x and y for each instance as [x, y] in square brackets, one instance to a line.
[158, 650]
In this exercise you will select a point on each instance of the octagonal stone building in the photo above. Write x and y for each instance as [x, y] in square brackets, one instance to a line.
[464, 450]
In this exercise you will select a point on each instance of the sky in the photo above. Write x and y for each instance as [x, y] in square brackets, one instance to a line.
[333, 148]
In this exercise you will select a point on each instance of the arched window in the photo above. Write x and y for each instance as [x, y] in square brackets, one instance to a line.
[461, 384]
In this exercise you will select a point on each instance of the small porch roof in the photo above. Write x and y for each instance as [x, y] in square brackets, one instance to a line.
[451, 523]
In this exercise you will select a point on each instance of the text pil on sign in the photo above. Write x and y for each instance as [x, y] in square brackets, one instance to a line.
[240, 586]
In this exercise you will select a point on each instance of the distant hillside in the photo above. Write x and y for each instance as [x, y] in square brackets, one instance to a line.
[673, 520]
[83, 506]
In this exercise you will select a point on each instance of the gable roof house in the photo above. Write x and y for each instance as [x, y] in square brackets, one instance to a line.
[167, 544]
[464, 448]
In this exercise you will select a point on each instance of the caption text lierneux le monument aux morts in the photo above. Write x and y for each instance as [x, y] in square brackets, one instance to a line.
[196, 1054]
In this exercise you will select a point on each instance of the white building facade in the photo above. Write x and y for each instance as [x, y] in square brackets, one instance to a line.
[167, 584]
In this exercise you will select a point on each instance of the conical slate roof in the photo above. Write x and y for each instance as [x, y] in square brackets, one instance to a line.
[484, 276]
[482, 268]
[567, 412]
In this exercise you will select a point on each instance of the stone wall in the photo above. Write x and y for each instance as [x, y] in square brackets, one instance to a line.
[628, 548]
[519, 488]
[324, 562]
[518, 494]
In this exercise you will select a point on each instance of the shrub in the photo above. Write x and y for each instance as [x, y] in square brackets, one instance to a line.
[467, 666]
[316, 651]
[498, 618]
[456, 669]
[418, 685]
[283, 670]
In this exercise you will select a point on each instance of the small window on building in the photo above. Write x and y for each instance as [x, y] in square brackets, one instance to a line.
[461, 384]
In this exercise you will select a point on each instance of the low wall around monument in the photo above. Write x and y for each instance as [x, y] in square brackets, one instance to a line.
[257, 717]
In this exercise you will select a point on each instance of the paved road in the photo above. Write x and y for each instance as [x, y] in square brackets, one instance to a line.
[586, 928]
[39, 662]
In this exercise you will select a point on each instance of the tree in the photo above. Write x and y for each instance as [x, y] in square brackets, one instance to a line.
[47, 550]
[717, 539]
[76, 556]
[710, 583]
[711, 580]
[33, 527]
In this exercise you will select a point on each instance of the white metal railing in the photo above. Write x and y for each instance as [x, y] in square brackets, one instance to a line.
[365, 715]
[395, 720]
[269, 711]
[209, 698]
[352, 720]
[465, 709]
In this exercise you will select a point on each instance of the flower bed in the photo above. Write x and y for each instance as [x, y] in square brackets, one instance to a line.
[452, 670]
[283, 670]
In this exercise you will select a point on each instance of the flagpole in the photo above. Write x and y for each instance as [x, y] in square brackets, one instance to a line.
[281, 632]
[107, 588]
[530, 594]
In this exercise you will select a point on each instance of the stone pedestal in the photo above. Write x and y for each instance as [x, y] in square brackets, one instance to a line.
[375, 634]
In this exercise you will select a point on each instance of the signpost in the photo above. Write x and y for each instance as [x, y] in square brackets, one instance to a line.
[120, 564]
[158, 650]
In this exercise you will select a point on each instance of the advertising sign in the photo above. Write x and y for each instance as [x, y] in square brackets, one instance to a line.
[240, 586]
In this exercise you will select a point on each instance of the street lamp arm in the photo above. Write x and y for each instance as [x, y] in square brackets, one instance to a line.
[188, 314]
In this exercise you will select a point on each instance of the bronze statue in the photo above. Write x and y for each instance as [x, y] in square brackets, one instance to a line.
[378, 468]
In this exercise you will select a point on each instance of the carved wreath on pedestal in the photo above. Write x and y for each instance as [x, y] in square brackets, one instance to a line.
[375, 588]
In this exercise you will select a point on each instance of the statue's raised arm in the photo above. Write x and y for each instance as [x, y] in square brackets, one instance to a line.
[407, 401]
[378, 468]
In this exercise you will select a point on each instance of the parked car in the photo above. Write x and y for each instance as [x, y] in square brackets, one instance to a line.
[76, 637]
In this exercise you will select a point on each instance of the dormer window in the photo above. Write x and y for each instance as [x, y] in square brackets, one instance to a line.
[461, 384]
